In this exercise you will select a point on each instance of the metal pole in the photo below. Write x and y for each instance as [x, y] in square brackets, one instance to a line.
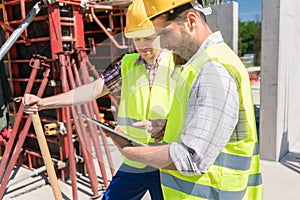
[65, 61]
[17, 148]
[72, 164]
[30, 174]
[16, 34]
[123, 46]
[9, 148]
[93, 129]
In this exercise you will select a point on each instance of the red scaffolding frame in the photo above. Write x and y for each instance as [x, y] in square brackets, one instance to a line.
[62, 31]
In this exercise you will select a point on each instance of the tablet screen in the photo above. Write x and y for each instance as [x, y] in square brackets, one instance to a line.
[111, 130]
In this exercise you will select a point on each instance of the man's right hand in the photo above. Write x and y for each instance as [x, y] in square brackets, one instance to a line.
[155, 127]
[30, 103]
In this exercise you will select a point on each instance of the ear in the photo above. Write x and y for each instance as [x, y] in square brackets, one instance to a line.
[191, 19]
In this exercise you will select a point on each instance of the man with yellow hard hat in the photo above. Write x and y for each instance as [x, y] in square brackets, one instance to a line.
[146, 94]
[211, 149]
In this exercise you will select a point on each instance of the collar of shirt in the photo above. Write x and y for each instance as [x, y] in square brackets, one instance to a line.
[214, 38]
[143, 62]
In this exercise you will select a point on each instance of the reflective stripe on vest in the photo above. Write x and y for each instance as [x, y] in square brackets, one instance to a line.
[204, 191]
[138, 102]
[237, 167]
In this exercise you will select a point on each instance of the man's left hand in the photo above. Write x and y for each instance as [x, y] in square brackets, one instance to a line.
[118, 141]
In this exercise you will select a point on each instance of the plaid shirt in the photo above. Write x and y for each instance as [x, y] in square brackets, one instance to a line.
[212, 115]
[113, 79]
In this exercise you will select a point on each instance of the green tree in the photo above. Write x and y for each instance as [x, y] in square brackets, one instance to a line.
[249, 34]
[250, 39]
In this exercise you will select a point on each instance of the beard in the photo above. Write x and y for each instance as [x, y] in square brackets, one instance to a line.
[185, 49]
[178, 60]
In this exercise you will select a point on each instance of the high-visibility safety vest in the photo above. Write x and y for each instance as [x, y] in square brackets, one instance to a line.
[235, 174]
[138, 102]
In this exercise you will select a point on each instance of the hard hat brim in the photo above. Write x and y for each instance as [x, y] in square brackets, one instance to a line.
[194, 3]
[142, 33]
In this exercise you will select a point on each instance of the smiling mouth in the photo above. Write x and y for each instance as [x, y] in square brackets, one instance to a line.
[145, 49]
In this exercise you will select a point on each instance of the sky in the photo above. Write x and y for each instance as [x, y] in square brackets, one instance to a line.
[249, 10]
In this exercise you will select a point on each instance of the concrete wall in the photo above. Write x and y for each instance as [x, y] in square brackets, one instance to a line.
[224, 18]
[280, 108]
[289, 60]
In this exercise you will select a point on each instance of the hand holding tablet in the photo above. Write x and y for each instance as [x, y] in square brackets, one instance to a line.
[112, 131]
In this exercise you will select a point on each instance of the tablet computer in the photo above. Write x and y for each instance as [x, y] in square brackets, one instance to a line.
[107, 128]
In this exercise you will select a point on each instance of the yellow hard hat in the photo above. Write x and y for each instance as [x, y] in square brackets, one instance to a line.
[137, 24]
[157, 7]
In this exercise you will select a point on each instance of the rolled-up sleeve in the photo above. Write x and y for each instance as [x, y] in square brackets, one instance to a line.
[210, 120]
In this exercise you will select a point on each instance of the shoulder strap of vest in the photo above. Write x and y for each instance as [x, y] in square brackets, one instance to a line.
[207, 55]
[128, 62]
[224, 54]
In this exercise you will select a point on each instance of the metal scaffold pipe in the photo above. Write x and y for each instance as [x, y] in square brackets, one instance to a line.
[24, 177]
[16, 34]
[123, 46]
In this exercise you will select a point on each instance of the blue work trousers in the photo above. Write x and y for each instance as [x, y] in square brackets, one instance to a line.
[132, 183]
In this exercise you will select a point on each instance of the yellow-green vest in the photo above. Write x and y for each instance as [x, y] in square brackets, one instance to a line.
[235, 174]
[138, 102]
